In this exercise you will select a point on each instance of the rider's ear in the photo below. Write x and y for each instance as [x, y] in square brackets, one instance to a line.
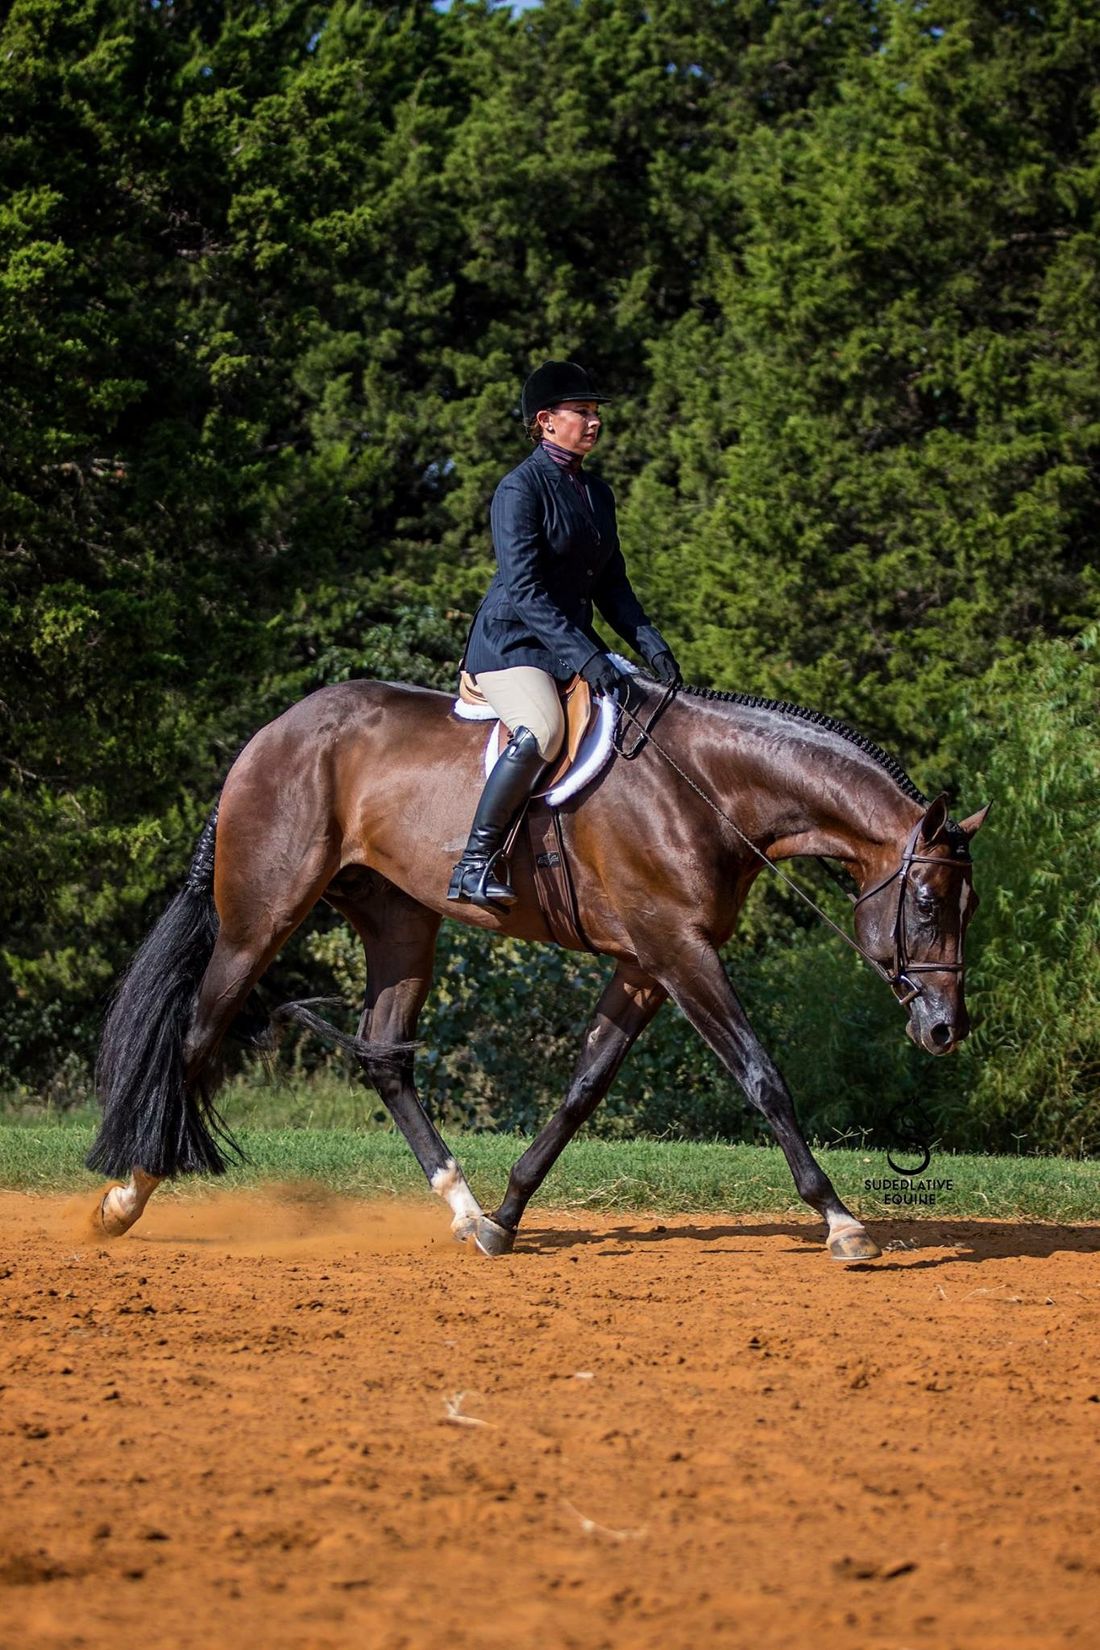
[976, 821]
[934, 821]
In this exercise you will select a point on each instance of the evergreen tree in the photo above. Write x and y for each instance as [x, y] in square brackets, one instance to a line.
[884, 473]
[270, 279]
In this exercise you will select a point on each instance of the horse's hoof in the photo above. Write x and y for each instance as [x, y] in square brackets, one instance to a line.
[491, 1239]
[109, 1219]
[853, 1243]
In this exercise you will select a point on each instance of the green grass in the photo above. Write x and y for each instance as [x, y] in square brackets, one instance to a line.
[256, 1098]
[664, 1177]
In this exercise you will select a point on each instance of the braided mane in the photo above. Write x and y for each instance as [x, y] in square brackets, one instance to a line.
[818, 719]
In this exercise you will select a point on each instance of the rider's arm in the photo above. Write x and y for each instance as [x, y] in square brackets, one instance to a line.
[613, 592]
[518, 539]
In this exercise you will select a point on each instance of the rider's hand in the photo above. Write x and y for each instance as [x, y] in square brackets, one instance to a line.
[604, 677]
[658, 656]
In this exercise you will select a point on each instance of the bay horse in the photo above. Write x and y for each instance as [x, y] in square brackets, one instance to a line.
[362, 794]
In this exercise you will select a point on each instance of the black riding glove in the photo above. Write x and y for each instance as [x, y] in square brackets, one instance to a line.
[658, 656]
[604, 677]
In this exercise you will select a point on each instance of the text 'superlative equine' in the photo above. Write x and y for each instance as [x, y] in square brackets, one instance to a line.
[362, 794]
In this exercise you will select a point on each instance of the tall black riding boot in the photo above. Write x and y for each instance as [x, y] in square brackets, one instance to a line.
[508, 786]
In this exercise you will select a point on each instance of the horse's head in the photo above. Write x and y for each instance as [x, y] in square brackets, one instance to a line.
[913, 922]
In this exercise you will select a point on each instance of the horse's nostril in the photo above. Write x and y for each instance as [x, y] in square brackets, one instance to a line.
[941, 1035]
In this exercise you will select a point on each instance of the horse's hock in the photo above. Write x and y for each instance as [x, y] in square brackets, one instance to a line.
[292, 1420]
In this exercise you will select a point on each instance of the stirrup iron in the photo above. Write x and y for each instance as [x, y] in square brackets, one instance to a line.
[471, 881]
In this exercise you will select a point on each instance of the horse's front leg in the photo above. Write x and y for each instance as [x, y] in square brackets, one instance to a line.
[629, 1001]
[701, 990]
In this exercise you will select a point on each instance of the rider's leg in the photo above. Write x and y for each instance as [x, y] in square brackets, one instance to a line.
[526, 700]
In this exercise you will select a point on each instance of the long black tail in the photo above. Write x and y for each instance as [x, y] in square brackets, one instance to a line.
[151, 1116]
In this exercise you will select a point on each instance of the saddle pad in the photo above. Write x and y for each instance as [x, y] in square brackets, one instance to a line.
[592, 757]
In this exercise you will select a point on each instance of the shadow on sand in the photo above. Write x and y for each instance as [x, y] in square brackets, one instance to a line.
[951, 1240]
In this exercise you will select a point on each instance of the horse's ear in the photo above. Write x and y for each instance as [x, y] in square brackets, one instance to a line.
[935, 820]
[975, 822]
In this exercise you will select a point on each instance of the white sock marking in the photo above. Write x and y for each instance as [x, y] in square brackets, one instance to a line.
[123, 1205]
[449, 1183]
[842, 1225]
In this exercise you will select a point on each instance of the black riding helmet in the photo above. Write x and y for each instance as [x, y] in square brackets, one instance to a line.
[556, 381]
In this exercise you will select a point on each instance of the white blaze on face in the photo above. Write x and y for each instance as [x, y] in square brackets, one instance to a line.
[449, 1183]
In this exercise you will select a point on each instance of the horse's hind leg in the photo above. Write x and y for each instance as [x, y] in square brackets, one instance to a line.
[629, 1001]
[122, 1206]
[258, 916]
[399, 936]
[233, 970]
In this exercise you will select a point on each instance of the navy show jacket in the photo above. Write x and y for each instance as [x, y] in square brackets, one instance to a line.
[555, 561]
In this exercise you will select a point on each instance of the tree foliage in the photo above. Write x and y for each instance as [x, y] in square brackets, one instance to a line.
[270, 278]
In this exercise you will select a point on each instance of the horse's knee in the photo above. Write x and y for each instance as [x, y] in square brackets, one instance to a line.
[583, 1098]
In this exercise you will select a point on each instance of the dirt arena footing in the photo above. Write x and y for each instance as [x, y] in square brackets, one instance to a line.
[289, 1420]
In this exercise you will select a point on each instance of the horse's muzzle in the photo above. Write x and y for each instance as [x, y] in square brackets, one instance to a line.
[937, 1035]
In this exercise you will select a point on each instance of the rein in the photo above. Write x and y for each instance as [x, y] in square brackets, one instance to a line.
[642, 740]
[897, 977]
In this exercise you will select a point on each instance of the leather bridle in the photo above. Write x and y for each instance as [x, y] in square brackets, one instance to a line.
[897, 976]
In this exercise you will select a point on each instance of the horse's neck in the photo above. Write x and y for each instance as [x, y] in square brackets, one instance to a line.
[822, 798]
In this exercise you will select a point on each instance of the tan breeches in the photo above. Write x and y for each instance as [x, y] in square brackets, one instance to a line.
[524, 697]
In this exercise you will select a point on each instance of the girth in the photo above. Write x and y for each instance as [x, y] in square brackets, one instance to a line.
[557, 896]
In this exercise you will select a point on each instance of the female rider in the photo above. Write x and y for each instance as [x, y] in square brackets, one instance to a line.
[557, 550]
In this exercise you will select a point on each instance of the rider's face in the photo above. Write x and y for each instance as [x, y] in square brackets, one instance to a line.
[574, 425]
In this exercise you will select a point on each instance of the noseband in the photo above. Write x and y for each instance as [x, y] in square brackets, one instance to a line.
[897, 976]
